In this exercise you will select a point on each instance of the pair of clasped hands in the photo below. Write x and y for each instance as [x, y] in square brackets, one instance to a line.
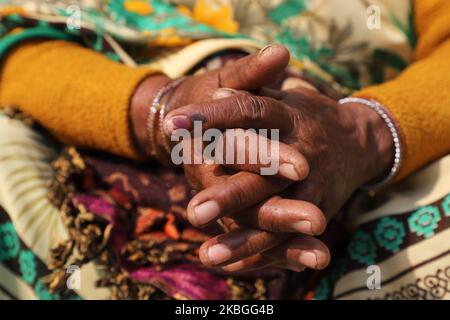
[326, 151]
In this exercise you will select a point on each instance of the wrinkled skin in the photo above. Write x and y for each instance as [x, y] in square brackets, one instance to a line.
[345, 147]
[326, 152]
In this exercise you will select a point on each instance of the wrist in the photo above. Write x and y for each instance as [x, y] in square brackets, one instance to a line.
[376, 151]
[141, 101]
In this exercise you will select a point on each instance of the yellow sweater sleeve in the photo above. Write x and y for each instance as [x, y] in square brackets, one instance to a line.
[419, 99]
[77, 94]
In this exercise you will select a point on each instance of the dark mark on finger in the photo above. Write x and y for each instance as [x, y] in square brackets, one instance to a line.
[198, 117]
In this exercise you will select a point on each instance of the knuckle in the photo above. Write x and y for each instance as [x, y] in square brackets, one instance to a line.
[251, 247]
[237, 194]
[253, 108]
[270, 218]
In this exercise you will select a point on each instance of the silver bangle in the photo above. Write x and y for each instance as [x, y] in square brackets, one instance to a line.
[155, 111]
[384, 114]
[162, 114]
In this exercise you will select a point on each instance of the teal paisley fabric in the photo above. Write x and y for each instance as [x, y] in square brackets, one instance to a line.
[377, 241]
[10, 244]
[23, 263]
[349, 44]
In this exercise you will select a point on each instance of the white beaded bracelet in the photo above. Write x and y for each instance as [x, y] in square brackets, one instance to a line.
[381, 110]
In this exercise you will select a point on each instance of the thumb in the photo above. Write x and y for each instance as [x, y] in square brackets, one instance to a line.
[256, 70]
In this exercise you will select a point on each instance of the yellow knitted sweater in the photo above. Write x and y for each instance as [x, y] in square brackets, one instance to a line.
[419, 99]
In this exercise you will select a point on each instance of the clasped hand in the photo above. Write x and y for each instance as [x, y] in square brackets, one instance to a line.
[326, 151]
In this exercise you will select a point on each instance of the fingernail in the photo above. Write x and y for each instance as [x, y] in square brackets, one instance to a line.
[308, 259]
[234, 267]
[178, 122]
[206, 212]
[224, 93]
[303, 226]
[264, 50]
[219, 253]
[296, 268]
[287, 170]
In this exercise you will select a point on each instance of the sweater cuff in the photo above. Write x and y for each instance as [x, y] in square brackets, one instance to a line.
[419, 102]
[80, 96]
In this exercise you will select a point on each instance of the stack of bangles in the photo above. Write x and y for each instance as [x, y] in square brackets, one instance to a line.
[155, 122]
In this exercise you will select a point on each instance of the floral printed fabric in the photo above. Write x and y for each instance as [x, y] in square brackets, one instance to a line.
[389, 238]
[23, 263]
[9, 242]
[151, 252]
[329, 40]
